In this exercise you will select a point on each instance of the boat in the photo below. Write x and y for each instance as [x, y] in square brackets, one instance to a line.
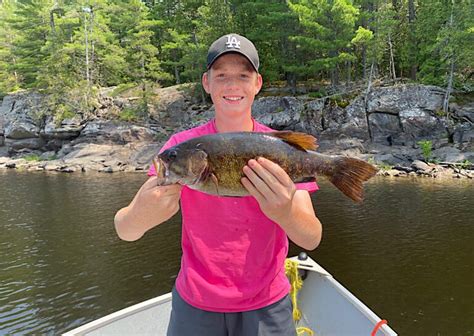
[327, 308]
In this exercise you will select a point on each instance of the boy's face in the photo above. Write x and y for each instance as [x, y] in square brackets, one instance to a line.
[232, 83]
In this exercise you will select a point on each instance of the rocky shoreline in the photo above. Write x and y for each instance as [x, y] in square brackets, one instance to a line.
[384, 127]
[416, 169]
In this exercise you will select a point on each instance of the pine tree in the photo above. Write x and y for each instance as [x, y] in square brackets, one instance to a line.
[327, 29]
[32, 25]
[9, 78]
[269, 24]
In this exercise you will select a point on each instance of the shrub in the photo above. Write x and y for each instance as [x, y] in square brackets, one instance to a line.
[426, 148]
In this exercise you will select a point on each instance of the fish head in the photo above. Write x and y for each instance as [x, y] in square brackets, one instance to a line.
[181, 165]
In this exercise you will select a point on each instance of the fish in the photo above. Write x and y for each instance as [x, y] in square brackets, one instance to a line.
[214, 163]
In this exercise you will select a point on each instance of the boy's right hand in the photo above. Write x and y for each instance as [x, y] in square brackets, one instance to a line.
[151, 206]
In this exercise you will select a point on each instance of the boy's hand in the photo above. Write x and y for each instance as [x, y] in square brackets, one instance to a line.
[152, 205]
[271, 186]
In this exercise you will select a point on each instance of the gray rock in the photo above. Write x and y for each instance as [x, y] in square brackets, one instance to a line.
[464, 113]
[389, 159]
[21, 114]
[410, 100]
[144, 154]
[114, 132]
[463, 133]
[67, 128]
[21, 129]
[448, 154]
[278, 112]
[421, 166]
[24, 143]
[403, 114]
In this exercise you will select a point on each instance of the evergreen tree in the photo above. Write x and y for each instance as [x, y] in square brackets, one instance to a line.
[269, 24]
[215, 19]
[327, 29]
[9, 78]
[32, 25]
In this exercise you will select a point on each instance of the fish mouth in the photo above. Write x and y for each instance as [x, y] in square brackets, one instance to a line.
[162, 171]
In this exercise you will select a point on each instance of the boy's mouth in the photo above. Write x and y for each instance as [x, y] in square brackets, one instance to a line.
[233, 98]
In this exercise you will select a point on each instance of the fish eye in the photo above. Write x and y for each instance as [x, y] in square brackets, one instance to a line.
[172, 154]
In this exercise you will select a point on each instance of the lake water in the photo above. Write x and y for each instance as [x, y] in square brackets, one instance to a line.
[407, 251]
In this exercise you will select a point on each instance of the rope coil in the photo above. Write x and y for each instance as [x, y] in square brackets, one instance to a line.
[291, 271]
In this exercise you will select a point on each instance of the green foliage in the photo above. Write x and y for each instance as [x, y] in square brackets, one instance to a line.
[426, 149]
[32, 158]
[317, 94]
[465, 164]
[384, 166]
[326, 29]
[70, 49]
[121, 88]
[129, 114]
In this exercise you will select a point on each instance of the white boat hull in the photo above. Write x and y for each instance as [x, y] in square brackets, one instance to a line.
[327, 308]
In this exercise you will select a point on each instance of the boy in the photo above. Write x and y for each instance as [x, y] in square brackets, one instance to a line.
[232, 279]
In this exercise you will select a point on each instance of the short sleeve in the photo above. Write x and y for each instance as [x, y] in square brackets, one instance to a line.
[308, 186]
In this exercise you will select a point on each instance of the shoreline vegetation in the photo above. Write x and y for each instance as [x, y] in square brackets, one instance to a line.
[100, 85]
[418, 168]
[398, 128]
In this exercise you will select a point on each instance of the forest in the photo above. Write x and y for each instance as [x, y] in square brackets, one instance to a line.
[71, 49]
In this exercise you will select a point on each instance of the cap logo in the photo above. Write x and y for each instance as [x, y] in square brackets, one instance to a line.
[232, 42]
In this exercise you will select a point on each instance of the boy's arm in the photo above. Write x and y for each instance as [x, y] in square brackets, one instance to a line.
[151, 206]
[281, 202]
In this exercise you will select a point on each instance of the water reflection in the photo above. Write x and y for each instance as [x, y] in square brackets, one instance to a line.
[406, 252]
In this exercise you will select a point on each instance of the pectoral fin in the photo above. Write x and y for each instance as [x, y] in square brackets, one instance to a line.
[215, 182]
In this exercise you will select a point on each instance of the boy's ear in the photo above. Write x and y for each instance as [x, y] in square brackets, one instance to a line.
[205, 82]
[259, 84]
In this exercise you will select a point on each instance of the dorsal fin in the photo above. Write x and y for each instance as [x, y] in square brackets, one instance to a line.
[299, 140]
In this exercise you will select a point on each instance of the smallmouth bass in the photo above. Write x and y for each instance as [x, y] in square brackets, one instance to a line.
[214, 163]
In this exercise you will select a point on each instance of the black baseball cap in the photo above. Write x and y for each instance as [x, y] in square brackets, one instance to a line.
[233, 43]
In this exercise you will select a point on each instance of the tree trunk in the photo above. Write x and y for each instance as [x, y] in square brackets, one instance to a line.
[86, 38]
[366, 103]
[412, 39]
[393, 74]
[176, 74]
[291, 80]
[334, 76]
[364, 62]
[348, 68]
[451, 70]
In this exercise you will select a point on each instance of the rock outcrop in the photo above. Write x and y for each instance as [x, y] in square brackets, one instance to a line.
[384, 126]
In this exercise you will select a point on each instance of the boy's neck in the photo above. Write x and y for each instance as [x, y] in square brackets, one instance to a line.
[239, 124]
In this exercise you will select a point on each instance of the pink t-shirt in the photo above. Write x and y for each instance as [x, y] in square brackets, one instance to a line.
[233, 255]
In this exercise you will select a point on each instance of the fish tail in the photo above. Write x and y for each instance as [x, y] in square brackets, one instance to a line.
[349, 174]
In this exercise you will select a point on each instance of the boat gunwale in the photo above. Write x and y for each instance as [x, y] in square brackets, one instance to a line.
[120, 314]
[308, 264]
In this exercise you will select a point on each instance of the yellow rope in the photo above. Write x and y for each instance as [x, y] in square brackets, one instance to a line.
[291, 270]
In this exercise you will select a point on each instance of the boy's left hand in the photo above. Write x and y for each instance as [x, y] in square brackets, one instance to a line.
[271, 186]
